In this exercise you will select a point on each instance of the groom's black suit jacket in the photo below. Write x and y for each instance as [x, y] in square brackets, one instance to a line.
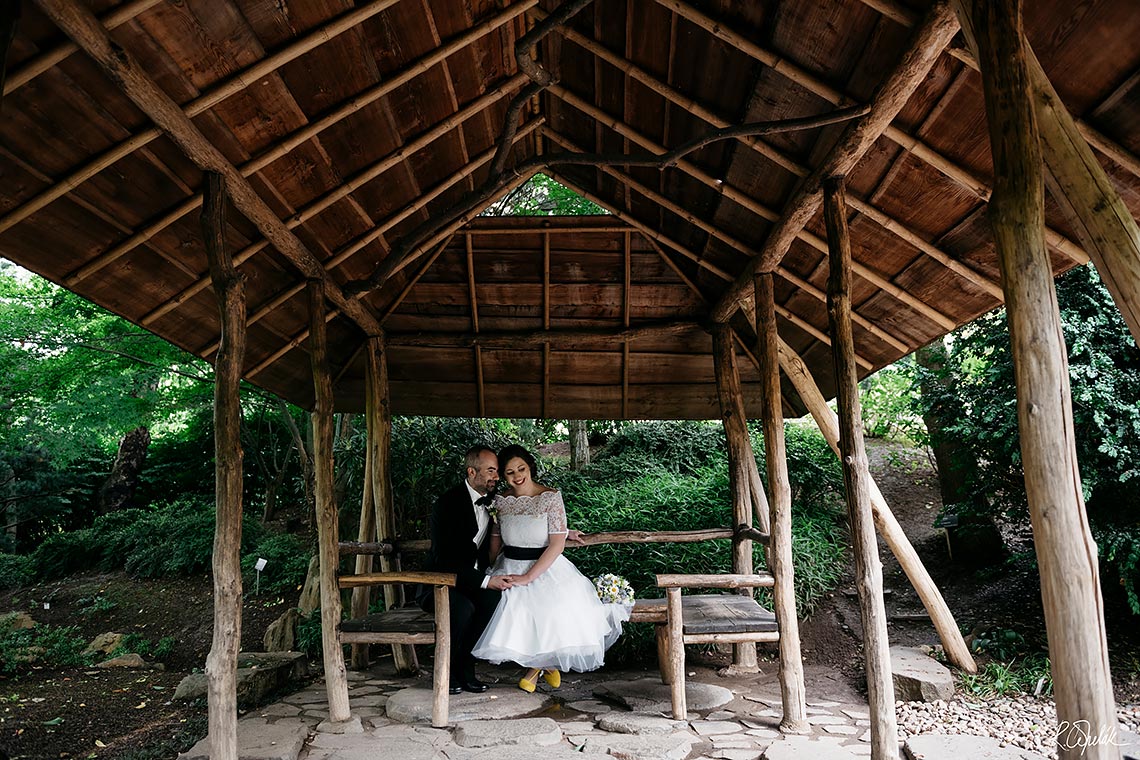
[453, 528]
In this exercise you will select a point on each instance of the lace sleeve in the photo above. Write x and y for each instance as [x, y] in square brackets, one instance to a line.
[555, 512]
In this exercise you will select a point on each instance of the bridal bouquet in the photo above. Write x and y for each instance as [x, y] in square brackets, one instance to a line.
[613, 589]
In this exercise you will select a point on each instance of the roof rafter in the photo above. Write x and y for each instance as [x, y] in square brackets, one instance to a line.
[918, 149]
[936, 32]
[200, 104]
[79, 24]
[656, 236]
[715, 232]
[300, 136]
[730, 191]
[1111, 149]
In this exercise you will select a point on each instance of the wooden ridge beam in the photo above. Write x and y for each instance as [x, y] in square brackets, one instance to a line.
[202, 103]
[933, 36]
[521, 339]
[714, 231]
[658, 238]
[37, 65]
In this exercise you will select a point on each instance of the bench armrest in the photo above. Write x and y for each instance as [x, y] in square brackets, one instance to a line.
[378, 579]
[726, 580]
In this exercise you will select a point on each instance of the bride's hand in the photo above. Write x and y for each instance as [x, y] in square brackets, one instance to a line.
[520, 580]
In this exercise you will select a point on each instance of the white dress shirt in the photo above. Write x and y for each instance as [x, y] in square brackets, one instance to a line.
[483, 520]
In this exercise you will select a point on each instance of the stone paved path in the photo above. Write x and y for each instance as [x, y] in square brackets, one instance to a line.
[737, 719]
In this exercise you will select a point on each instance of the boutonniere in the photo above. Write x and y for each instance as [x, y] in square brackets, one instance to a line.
[493, 511]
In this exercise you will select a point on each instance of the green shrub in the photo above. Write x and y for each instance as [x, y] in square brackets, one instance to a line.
[62, 554]
[40, 645]
[134, 643]
[287, 558]
[179, 540]
[309, 635]
[16, 570]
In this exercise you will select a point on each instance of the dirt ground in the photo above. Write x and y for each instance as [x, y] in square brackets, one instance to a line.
[121, 714]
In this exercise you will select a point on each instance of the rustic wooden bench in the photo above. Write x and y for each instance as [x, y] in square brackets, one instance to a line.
[704, 619]
[409, 625]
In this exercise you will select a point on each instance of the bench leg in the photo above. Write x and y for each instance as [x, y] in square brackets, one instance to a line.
[664, 661]
[675, 635]
[441, 677]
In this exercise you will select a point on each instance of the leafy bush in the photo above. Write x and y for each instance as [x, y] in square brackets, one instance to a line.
[66, 553]
[309, 635]
[287, 558]
[53, 646]
[134, 643]
[16, 570]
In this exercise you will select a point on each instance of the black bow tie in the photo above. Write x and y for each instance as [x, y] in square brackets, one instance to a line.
[484, 501]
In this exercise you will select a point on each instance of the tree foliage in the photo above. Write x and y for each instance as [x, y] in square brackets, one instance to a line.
[1104, 372]
[543, 196]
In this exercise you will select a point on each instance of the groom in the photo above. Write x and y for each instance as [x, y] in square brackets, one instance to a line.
[460, 543]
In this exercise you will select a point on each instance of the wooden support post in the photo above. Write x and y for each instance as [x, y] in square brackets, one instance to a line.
[480, 392]
[1066, 553]
[442, 671]
[676, 647]
[739, 449]
[856, 477]
[885, 522]
[546, 324]
[336, 680]
[221, 663]
[792, 692]
[362, 595]
[378, 413]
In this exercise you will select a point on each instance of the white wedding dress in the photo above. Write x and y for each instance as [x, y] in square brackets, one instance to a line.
[557, 620]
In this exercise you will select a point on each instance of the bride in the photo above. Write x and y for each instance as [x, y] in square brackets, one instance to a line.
[549, 618]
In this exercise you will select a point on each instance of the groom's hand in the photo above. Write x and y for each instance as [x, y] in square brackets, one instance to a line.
[499, 582]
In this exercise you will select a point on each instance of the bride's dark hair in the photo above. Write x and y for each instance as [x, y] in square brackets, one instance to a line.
[513, 451]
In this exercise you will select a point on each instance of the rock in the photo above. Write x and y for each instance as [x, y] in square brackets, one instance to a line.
[631, 747]
[259, 740]
[1129, 745]
[716, 727]
[651, 696]
[413, 705]
[281, 635]
[347, 727]
[799, 747]
[918, 678]
[104, 643]
[16, 621]
[259, 674]
[529, 732]
[939, 747]
[633, 723]
[311, 592]
[131, 660]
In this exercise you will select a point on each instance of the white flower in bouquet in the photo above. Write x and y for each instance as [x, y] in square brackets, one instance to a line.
[613, 589]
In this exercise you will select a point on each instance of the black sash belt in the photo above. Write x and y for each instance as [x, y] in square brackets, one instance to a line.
[523, 552]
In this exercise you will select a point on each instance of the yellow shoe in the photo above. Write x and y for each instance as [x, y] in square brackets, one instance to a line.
[527, 685]
[552, 677]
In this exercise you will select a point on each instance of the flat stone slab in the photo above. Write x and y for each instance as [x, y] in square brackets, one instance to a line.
[650, 695]
[918, 677]
[799, 747]
[940, 747]
[635, 723]
[632, 747]
[259, 740]
[365, 748]
[413, 705]
[541, 732]
[716, 727]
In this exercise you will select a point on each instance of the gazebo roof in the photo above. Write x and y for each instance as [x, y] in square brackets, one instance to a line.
[370, 129]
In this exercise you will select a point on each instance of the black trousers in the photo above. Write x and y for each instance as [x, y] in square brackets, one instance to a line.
[471, 610]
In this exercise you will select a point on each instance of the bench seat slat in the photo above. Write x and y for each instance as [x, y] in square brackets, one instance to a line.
[401, 620]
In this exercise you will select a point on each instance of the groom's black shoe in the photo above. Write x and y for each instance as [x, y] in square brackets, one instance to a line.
[454, 688]
[473, 685]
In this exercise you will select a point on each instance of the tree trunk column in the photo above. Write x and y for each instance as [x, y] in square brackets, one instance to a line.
[1066, 553]
[792, 692]
[739, 448]
[221, 663]
[378, 409]
[857, 478]
[336, 679]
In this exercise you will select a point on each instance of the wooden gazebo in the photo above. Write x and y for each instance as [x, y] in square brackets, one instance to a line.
[814, 187]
